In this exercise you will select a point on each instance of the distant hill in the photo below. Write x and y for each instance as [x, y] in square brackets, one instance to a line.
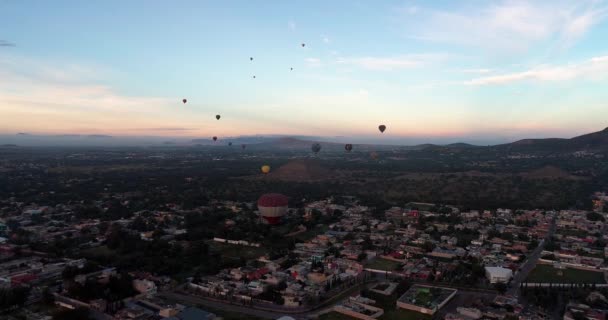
[596, 141]
[293, 144]
[461, 145]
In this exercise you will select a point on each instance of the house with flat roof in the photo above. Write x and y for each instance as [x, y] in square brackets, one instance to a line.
[498, 274]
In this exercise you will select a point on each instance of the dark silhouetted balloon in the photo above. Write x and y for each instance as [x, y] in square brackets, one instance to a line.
[315, 147]
[374, 155]
[243, 146]
[382, 128]
[214, 138]
[230, 144]
[251, 58]
[254, 77]
[291, 69]
[348, 147]
[217, 116]
[303, 45]
[184, 100]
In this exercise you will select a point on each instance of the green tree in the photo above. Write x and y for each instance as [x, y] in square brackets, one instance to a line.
[76, 314]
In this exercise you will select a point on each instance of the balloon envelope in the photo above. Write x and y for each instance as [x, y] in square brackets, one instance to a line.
[374, 155]
[348, 147]
[315, 147]
[214, 138]
[218, 117]
[230, 144]
[382, 128]
[273, 207]
[265, 169]
[184, 100]
[243, 146]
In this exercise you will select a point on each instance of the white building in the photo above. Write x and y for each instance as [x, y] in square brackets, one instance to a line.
[144, 286]
[498, 274]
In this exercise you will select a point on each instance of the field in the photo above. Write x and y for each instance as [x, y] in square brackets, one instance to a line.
[398, 314]
[547, 274]
[383, 264]
[229, 315]
[234, 252]
[335, 316]
[391, 312]
[101, 252]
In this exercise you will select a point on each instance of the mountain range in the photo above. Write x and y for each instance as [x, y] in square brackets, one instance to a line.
[596, 141]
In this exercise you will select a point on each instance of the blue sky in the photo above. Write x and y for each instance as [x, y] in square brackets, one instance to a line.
[429, 70]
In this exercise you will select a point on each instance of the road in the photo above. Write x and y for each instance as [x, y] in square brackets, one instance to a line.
[267, 314]
[198, 301]
[531, 262]
[463, 298]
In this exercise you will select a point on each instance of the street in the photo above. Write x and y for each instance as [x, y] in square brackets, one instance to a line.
[531, 262]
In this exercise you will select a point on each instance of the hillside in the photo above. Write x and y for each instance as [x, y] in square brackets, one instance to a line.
[300, 171]
[596, 141]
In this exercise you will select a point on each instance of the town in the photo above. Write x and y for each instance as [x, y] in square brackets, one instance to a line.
[333, 258]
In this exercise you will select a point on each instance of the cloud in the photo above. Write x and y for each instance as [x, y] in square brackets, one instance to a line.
[511, 25]
[325, 39]
[579, 25]
[480, 71]
[63, 98]
[594, 68]
[4, 43]
[313, 62]
[392, 63]
[291, 25]
[165, 129]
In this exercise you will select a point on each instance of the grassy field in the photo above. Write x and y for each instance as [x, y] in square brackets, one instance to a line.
[101, 252]
[547, 274]
[335, 316]
[309, 234]
[382, 264]
[233, 251]
[391, 312]
[401, 314]
[230, 315]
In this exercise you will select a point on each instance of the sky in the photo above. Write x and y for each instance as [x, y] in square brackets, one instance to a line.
[429, 70]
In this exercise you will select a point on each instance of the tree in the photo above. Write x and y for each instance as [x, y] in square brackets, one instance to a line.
[501, 287]
[76, 314]
[594, 216]
[13, 297]
[47, 296]
[428, 246]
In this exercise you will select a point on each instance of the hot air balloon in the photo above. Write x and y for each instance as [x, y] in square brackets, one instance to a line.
[382, 128]
[265, 169]
[291, 69]
[303, 45]
[273, 207]
[217, 116]
[254, 77]
[374, 155]
[348, 147]
[184, 100]
[250, 58]
[230, 144]
[315, 147]
[214, 138]
[243, 146]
